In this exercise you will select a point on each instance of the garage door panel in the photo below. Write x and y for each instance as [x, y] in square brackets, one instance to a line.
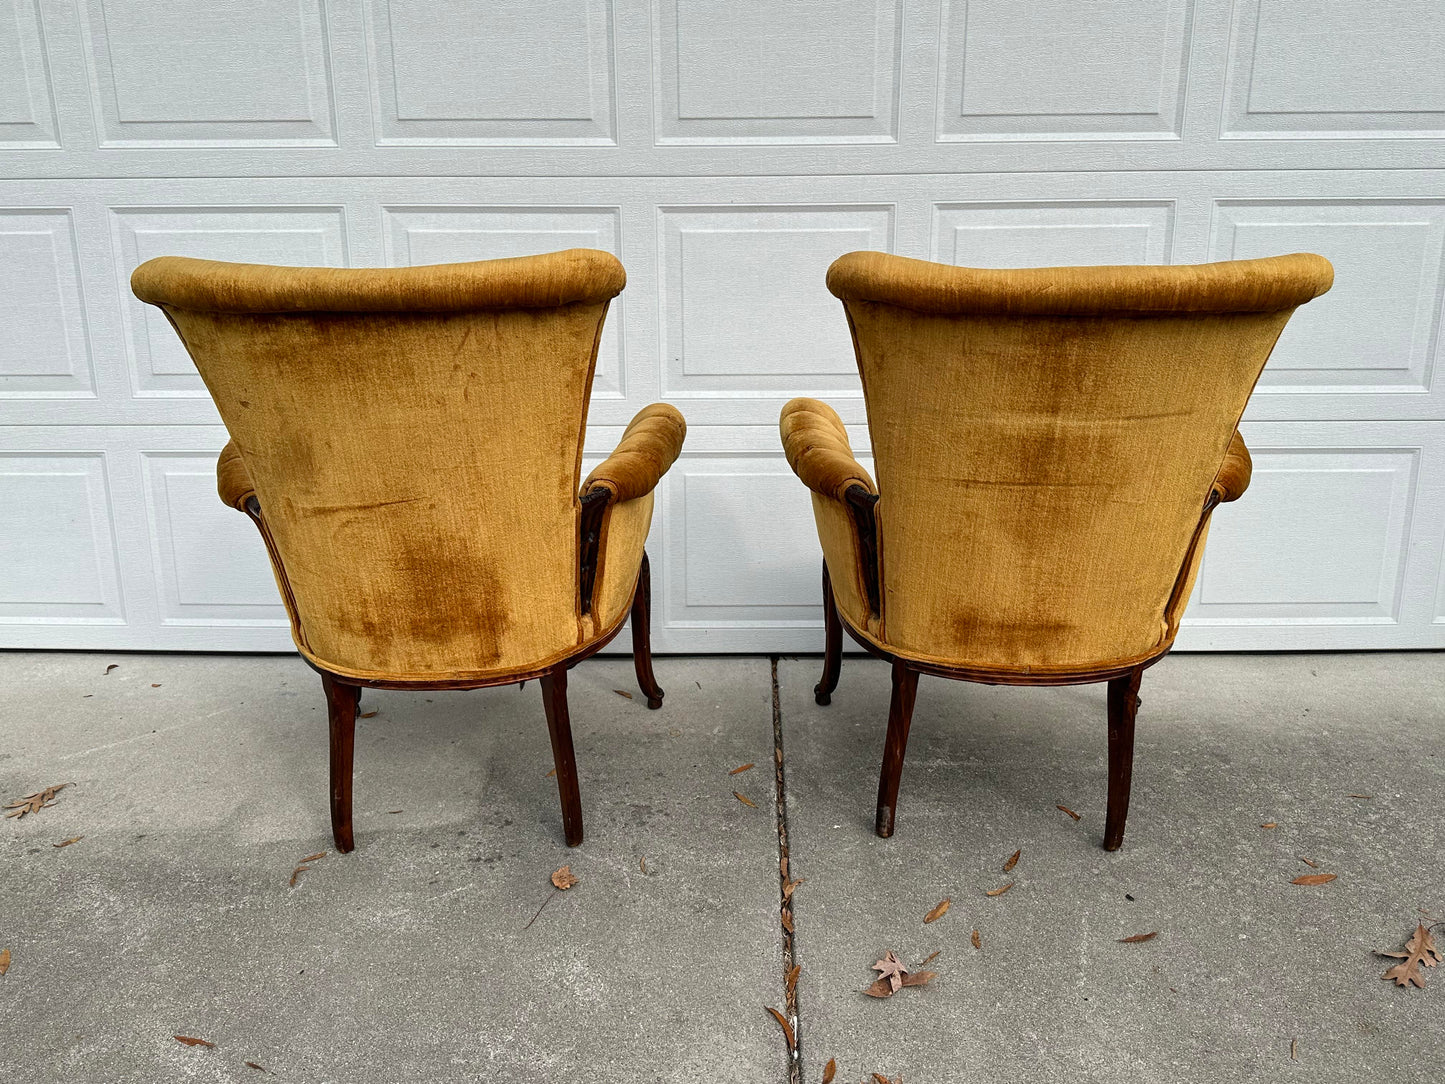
[27, 113]
[1046, 233]
[44, 340]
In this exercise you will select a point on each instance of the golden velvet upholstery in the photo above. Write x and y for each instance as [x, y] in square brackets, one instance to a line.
[413, 440]
[1049, 445]
[1045, 443]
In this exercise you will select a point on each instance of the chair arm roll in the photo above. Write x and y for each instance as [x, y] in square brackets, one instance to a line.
[233, 481]
[1234, 474]
[647, 449]
[816, 444]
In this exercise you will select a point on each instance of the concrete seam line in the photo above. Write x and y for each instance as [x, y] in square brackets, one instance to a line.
[785, 903]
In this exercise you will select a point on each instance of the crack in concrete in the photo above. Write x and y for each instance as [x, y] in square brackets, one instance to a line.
[785, 902]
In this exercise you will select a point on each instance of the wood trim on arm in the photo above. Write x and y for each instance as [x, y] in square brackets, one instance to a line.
[865, 521]
[589, 542]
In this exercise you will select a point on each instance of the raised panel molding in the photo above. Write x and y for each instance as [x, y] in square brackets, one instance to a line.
[1322, 538]
[27, 108]
[422, 235]
[1335, 69]
[1053, 233]
[44, 345]
[209, 561]
[518, 72]
[756, 71]
[1378, 328]
[743, 301]
[61, 565]
[1061, 70]
[210, 72]
[301, 236]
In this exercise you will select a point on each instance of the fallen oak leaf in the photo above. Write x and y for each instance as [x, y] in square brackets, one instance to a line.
[938, 912]
[744, 800]
[1013, 860]
[68, 842]
[623, 692]
[314, 857]
[1070, 812]
[564, 878]
[790, 980]
[34, 803]
[786, 918]
[742, 768]
[1000, 891]
[1420, 949]
[787, 1027]
[830, 1071]
[792, 886]
[879, 988]
[1138, 938]
[977, 941]
[191, 1041]
[919, 978]
[1311, 879]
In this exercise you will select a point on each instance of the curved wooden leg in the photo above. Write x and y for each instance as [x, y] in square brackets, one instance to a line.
[900, 717]
[833, 645]
[559, 723]
[642, 635]
[341, 707]
[1123, 704]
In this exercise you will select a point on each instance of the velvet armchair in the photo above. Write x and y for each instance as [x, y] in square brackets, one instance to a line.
[1050, 444]
[409, 443]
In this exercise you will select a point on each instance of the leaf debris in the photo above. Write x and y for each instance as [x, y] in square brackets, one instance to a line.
[977, 941]
[564, 878]
[109, 668]
[744, 800]
[369, 714]
[623, 692]
[1000, 891]
[1359, 795]
[938, 911]
[4, 961]
[68, 842]
[1419, 950]
[1138, 938]
[190, 1040]
[830, 1071]
[787, 1028]
[891, 969]
[1271, 824]
[253, 1065]
[1311, 879]
[1070, 812]
[1294, 1050]
[1013, 860]
[742, 768]
[1306, 861]
[790, 980]
[34, 803]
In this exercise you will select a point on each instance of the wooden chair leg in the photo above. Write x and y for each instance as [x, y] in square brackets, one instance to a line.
[642, 635]
[833, 645]
[1123, 704]
[559, 723]
[900, 717]
[341, 708]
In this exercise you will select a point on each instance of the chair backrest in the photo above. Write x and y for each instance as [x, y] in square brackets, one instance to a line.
[1045, 441]
[414, 438]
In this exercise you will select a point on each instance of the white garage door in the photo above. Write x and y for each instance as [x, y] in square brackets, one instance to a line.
[727, 151]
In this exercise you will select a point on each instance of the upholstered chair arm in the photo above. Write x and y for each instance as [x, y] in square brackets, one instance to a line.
[1233, 477]
[649, 446]
[817, 448]
[233, 482]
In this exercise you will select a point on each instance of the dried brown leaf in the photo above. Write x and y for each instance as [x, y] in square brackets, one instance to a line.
[790, 980]
[314, 857]
[1271, 824]
[1137, 938]
[1013, 860]
[830, 1071]
[34, 803]
[550, 774]
[1306, 861]
[919, 978]
[253, 1065]
[792, 886]
[191, 1041]
[1419, 950]
[938, 912]
[787, 1027]
[642, 864]
[623, 692]
[155, 684]
[68, 842]
[891, 968]
[1000, 891]
[977, 941]
[296, 873]
[369, 714]
[564, 878]
[742, 768]
[1294, 1050]
[109, 668]
[786, 918]
[880, 988]
[1070, 812]
[1314, 879]
[742, 799]
[4, 961]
